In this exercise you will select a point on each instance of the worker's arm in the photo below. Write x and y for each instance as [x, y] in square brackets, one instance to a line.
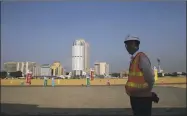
[145, 66]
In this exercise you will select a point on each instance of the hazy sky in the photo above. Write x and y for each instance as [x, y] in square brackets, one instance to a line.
[44, 32]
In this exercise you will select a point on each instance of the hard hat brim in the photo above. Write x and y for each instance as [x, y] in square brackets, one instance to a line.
[131, 40]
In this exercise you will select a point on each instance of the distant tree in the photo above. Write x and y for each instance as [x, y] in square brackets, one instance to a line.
[166, 74]
[184, 74]
[115, 74]
[160, 75]
[16, 74]
[3, 74]
[174, 74]
[101, 76]
[67, 73]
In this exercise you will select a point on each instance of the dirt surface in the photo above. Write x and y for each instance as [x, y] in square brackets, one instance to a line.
[175, 85]
[60, 82]
[93, 100]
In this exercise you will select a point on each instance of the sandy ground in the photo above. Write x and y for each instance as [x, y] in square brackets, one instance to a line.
[175, 85]
[94, 100]
[61, 82]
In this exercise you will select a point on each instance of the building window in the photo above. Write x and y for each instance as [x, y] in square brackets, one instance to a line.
[52, 71]
[56, 71]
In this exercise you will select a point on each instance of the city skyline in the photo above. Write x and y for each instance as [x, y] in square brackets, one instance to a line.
[44, 31]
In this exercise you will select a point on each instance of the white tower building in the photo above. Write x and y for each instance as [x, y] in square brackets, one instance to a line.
[80, 57]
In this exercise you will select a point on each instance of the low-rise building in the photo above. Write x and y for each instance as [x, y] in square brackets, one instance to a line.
[24, 67]
[101, 68]
[56, 69]
[45, 70]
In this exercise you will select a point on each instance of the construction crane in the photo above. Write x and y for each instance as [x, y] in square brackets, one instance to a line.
[159, 69]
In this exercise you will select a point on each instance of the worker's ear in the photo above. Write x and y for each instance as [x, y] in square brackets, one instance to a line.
[137, 48]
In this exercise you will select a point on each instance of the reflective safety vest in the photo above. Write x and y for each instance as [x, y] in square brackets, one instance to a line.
[135, 77]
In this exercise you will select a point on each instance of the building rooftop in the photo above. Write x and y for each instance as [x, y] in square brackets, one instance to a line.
[79, 42]
[45, 64]
[9, 62]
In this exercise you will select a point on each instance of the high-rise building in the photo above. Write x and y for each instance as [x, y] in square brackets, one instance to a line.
[24, 67]
[101, 68]
[87, 58]
[80, 57]
[107, 71]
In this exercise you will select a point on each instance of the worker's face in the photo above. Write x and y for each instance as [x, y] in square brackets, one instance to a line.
[131, 47]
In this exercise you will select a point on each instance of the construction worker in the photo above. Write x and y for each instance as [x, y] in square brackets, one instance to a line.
[53, 81]
[140, 79]
[45, 81]
[87, 80]
[155, 73]
[108, 82]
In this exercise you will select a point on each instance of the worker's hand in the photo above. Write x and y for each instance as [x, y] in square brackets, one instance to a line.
[155, 97]
[125, 87]
[127, 92]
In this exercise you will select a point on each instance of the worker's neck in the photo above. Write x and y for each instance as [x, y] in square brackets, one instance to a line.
[135, 53]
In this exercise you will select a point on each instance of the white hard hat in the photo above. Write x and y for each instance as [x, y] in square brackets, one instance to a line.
[131, 38]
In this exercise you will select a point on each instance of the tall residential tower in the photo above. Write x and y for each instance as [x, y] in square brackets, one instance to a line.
[80, 57]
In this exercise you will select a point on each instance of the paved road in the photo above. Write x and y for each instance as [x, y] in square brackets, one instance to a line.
[97, 100]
